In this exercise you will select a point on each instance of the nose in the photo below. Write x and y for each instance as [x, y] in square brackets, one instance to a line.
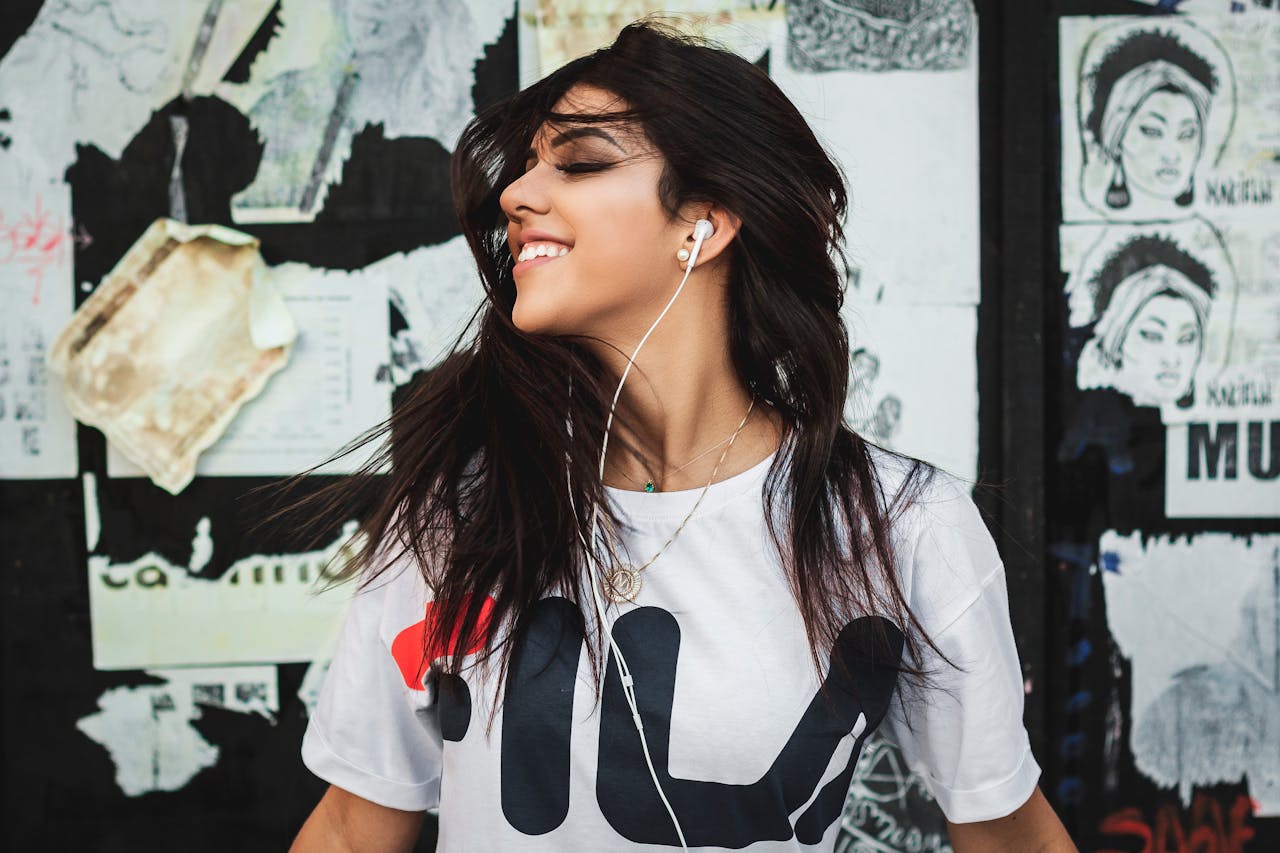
[524, 196]
[1170, 153]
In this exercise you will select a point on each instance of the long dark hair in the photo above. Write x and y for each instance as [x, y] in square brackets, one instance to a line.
[476, 452]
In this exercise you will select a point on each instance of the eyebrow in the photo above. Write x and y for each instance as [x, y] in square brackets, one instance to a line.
[1157, 115]
[576, 133]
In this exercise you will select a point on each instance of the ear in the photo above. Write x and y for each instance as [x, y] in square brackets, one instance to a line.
[726, 226]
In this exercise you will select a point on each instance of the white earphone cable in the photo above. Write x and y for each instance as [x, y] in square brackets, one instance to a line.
[701, 232]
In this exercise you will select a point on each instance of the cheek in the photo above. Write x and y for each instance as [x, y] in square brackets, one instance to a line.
[1138, 147]
[1190, 150]
[1137, 351]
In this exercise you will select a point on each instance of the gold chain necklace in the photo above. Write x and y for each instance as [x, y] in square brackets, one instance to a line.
[649, 485]
[622, 581]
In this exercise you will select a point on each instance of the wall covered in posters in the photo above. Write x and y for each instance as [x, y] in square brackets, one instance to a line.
[291, 158]
[322, 131]
[1164, 498]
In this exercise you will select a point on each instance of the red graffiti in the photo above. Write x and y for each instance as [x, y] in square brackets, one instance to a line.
[408, 646]
[37, 241]
[1208, 832]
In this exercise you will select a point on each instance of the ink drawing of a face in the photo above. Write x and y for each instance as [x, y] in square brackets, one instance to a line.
[1150, 100]
[1151, 302]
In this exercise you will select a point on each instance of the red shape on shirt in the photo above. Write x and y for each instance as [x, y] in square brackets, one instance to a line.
[413, 656]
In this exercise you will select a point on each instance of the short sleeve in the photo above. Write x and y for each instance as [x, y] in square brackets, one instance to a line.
[966, 737]
[371, 734]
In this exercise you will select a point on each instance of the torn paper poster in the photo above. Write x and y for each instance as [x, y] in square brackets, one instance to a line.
[1197, 617]
[1186, 317]
[313, 679]
[1222, 450]
[880, 35]
[436, 290]
[1212, 7]
[1156, 304]
[37, 433]
[93, 73]
[242, 689]
[329, 393]
[147, 729]
[181, 332]
[92, 515]
[1168, 116]
[1222, 455]
[337, 67]
[312, 682]
[1224, 466]
[266, 607]
[565, 29]
[884, 131]
[897, 396]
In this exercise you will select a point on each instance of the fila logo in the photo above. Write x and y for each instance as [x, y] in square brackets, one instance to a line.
[537, 724]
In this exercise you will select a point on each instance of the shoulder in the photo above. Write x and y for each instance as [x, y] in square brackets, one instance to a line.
[945, 554]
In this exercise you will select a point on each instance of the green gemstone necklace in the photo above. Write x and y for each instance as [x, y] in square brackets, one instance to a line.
[649, 484]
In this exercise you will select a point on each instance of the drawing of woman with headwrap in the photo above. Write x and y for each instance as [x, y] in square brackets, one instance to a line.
[1152, 301]
[1151, 100]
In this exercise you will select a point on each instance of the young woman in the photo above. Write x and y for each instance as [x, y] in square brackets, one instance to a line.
[632, 583]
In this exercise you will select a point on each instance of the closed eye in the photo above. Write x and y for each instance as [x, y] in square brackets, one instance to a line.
[576, 168]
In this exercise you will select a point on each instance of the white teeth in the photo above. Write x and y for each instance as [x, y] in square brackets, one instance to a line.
[540, 250]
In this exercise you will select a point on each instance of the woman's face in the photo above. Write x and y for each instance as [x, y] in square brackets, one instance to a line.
[1160, 351]
[1162, 143]
[592, 190]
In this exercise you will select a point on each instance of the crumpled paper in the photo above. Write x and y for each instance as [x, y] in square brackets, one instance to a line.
[178, 336]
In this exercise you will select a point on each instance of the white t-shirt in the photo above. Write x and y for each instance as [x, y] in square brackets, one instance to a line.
[750, 755]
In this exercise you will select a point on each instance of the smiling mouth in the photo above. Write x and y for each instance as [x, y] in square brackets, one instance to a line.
[537, 260]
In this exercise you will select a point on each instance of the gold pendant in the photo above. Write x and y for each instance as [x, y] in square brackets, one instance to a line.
[621, 583]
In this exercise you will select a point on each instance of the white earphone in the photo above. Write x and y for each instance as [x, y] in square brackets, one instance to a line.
[702, 229]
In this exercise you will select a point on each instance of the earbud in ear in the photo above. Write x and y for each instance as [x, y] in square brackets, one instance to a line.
[702, 229]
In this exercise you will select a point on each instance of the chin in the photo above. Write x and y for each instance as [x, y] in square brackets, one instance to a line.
[535, 319]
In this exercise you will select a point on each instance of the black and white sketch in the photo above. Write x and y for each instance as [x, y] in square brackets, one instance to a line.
[879, 35]
[1155, 107]
[1151, 302]
[878, 421]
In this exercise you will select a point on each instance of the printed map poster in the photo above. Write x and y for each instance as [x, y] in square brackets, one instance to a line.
[1167, 116]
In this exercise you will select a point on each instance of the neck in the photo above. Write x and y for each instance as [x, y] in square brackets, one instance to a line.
[681, 398]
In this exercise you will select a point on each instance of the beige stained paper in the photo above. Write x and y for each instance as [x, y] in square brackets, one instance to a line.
[568, 29]
[184, 330]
